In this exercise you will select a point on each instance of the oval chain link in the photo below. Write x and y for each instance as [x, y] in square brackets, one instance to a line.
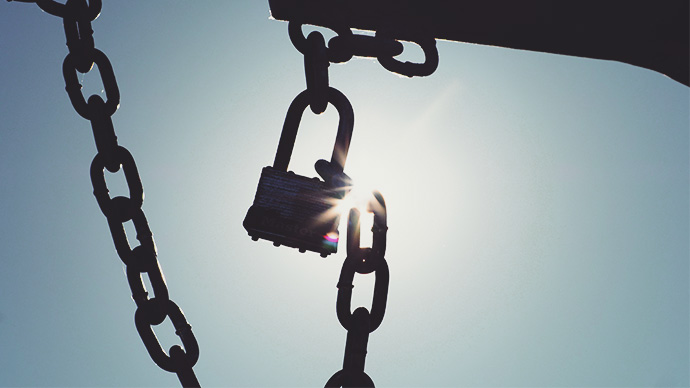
[360, 323]
[182, 330]
[73, 87]
[410, 69]
[382, 46]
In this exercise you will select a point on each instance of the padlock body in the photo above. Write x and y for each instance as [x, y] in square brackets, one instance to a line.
[295, 211]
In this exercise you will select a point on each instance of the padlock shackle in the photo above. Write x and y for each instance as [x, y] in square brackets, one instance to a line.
[291, 125]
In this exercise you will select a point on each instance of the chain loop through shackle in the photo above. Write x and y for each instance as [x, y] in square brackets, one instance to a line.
[344, 47]
[77, 16]
[360, 323]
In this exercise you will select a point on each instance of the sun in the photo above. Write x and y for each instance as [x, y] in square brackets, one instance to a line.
[358, 197]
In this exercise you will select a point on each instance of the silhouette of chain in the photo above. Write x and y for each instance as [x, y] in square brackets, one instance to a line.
[361, 322]
[345, 45]
[382, 46]
[77, 16]
[317, 58]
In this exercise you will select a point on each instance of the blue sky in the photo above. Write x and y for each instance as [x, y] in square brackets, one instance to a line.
[538, 210]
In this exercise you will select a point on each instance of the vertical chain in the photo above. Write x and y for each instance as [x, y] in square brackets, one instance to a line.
[361, 322]
[317, 58]
[77, 16]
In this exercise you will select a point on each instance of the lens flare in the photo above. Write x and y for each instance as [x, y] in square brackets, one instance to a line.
[359, 198]
[331, 237]
[330, 240]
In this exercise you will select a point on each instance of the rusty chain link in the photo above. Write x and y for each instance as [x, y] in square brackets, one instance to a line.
[77, 16]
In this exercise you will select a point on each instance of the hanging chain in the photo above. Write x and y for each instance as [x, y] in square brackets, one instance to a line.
[77, 16]
[361, 322]
[382, 46]
[317, 59]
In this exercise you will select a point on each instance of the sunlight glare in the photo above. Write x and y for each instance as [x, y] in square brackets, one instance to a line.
[358, 198]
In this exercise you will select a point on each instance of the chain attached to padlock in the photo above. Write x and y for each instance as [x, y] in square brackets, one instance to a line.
[301, 212]
[361, 322]
[294, 210]
[297, 211]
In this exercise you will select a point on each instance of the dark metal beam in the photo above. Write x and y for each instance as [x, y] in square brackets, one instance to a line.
[648, 33]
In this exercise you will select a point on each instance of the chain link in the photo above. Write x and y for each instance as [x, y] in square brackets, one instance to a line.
[361, 322]
[73, 87]
[344, 47]
[410, 69]
[382, 46]
[316, 71]
[142, 259]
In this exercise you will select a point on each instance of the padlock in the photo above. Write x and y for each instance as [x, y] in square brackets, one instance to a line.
[297, 211]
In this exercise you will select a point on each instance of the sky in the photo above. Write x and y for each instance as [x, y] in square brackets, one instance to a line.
[538, 210]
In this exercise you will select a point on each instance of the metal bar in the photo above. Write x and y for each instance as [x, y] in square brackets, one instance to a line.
[646, 33]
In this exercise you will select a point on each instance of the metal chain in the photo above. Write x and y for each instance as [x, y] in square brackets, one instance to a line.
[77, 16]
[317, 58]
[382, 46]
[362, 322]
